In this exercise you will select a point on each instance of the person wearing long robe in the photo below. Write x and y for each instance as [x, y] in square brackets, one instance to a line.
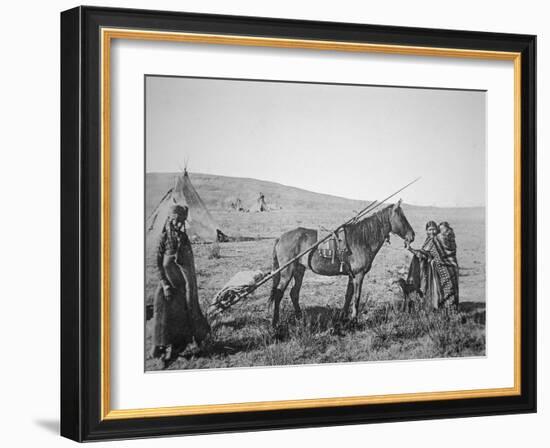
[178, 318]
[433, 272]
[448, 243]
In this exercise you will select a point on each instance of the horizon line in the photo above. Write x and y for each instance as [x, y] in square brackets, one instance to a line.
[310, 191]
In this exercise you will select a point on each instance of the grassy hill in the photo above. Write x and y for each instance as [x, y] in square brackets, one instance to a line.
[219, 191]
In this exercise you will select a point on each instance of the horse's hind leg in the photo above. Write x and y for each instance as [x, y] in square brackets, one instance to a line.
[299, 271]
[278, 292]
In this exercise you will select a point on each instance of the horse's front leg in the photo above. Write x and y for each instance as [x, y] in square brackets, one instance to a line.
[357, 286]
[347, 301]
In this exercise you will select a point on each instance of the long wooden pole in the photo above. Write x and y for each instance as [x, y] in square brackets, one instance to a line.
[357, 216]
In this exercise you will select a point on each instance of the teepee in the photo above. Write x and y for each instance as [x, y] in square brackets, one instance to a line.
[261, 204]
[200, 225]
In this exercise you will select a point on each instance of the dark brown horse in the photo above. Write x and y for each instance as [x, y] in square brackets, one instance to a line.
[363, 240]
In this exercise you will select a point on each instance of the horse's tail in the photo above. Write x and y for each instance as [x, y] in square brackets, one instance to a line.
[276, 277]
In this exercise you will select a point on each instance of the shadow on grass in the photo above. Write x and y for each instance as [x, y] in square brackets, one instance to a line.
[252, 330]
[317, 319]
[474, 311]
[241, 321]
[468, 307]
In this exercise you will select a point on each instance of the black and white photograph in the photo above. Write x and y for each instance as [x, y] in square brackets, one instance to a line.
[291, 223]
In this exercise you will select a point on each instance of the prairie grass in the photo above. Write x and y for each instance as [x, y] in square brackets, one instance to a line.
[381, 333]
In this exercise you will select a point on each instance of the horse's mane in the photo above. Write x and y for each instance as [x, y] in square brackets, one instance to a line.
[376, 225]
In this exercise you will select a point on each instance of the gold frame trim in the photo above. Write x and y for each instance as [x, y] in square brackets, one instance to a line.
[107, 35]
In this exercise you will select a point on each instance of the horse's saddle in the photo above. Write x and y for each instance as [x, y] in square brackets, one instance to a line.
[335, 250]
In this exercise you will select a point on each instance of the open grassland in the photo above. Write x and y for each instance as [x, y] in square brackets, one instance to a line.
[243, 335]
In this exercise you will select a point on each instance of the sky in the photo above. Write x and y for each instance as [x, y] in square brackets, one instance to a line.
[358, 142]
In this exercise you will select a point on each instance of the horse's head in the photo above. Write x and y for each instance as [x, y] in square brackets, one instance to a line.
[399, 223]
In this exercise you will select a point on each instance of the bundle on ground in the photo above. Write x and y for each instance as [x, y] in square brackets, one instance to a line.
[234, 289]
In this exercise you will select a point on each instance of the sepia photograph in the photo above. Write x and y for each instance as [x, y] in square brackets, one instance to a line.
[295, 223]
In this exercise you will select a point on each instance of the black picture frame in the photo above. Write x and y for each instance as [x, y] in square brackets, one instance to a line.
[81, 382]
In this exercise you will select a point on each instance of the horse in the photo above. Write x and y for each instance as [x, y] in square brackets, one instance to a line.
[363, 240]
